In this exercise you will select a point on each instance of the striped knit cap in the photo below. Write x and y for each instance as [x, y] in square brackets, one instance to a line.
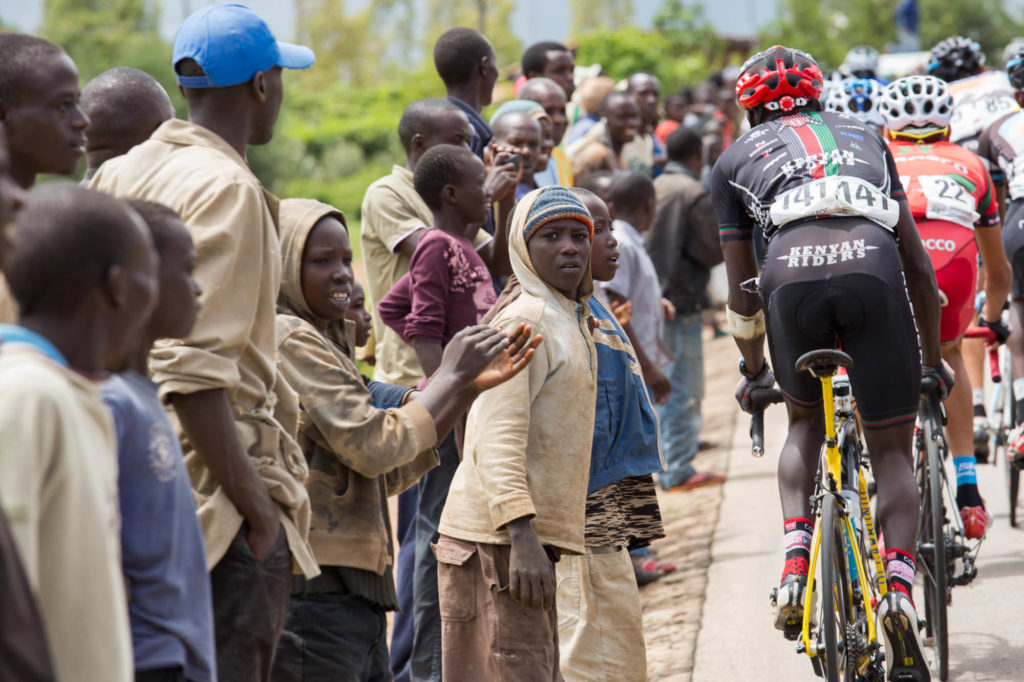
[556, 203]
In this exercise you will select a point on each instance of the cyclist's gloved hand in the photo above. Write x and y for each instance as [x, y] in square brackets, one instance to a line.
[749, 382]
[943, 376]
[999, 327]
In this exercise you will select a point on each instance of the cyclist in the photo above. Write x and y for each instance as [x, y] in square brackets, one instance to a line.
[842, 253]
[952, 199]
[859, 98]
[1002, 145]
[979, 98]
[862, 62]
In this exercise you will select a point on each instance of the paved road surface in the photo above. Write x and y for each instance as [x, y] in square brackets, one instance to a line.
[737, 640]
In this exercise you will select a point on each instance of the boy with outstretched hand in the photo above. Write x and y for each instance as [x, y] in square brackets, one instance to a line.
[363, 443]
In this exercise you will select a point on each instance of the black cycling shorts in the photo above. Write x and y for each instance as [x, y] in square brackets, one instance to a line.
[838, 283]
[1013, 243]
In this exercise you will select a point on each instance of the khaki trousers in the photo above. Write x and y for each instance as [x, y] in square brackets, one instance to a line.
[600, 624]
[485, 634]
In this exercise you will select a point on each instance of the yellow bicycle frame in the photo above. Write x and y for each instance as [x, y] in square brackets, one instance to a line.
[833, 478]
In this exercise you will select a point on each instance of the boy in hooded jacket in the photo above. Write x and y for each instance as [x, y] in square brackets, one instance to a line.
[363, 441]
[518, 497]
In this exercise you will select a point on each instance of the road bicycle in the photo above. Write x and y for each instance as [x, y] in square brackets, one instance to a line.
[945, 557]
[1002, 416]
[842, 641]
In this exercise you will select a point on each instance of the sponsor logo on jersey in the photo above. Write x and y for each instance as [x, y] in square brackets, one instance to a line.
[853, 135]
[840, 157]
[816, 255]
[940, 245]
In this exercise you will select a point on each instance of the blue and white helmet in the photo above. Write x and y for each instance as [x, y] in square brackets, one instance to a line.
[858, 97]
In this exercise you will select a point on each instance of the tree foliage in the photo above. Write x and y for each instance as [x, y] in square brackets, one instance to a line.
[827, 29]
[100, 36]
[987, 21]
[591, 16]
[680, 50]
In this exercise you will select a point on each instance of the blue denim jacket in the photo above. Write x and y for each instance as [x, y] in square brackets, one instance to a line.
[626, 441]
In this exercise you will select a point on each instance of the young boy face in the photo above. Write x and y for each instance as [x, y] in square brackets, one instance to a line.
[359, 315]
[623, 120]
[472, 200]
[178, 305]
[648, 94]
[675, 108]
[559, 67]
[559, 251]
[327, 269]
[604, 256]
[45, 125]
[553, 101]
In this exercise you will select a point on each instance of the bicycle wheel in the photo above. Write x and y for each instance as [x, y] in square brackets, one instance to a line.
[932, 546]
[836, 597]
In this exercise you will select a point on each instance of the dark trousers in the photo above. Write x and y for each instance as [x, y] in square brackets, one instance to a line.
[433, 489]
[250, 600]
[336, 637]
[402, 627]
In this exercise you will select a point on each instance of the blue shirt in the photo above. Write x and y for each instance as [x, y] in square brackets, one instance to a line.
[626, 439]
[162, 552]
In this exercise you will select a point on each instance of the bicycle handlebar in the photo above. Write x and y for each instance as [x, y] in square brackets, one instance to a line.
[989, 337]
[759, 399]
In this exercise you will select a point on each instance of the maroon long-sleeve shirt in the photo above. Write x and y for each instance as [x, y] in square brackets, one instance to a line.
[447, 288]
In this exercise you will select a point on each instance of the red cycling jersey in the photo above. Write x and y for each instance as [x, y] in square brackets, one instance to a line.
[944, 181]
[949, 192]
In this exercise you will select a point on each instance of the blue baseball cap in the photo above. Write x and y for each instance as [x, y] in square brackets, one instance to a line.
[231, 43]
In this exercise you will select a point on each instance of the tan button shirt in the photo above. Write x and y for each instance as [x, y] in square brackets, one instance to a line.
[233, 222]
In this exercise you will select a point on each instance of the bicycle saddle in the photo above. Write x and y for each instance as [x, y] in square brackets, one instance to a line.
[823, 362]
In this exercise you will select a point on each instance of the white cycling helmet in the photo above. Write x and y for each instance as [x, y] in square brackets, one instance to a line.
[832, 96]
[920, 103]
[861, 61]
[861, 97]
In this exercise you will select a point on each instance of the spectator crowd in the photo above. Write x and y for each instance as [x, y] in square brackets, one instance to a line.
[194, 469]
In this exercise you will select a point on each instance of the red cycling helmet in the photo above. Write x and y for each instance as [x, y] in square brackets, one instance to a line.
[780, 78]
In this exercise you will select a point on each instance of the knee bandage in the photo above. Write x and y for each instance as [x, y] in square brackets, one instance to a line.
[744, 327]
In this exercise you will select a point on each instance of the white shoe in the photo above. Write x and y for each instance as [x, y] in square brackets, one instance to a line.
[788, 600]
[904, 652]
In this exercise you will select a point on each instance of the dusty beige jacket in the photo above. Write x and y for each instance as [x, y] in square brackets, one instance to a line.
[358, 454]
[233, 222]
[527, 448]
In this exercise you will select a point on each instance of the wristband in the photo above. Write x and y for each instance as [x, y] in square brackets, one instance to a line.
[744, 327]
[752, 375]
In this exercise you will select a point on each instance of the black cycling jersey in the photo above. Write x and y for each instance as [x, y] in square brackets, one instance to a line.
[999, 147]
[1013, 243]
[749, 183]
